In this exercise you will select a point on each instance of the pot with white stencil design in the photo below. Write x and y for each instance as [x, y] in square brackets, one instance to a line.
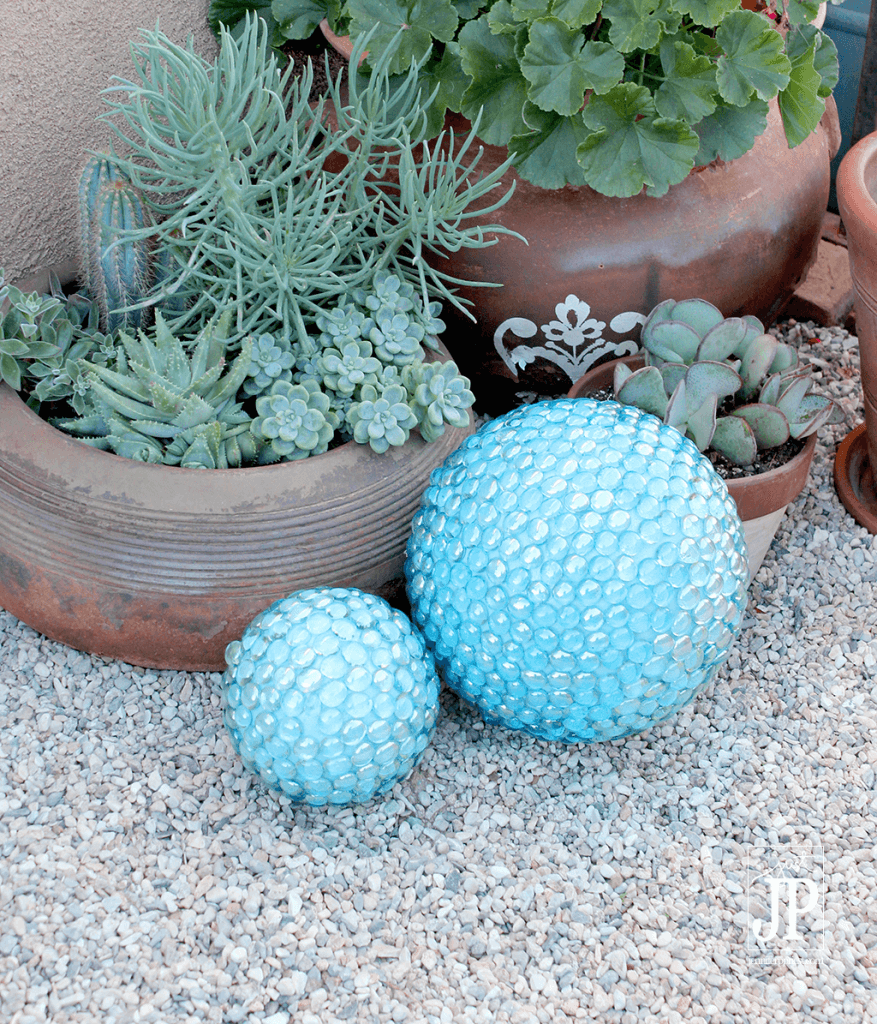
[741, 235]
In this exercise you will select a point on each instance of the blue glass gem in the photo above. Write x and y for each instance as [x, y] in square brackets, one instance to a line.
[330, 696]
[579, 570]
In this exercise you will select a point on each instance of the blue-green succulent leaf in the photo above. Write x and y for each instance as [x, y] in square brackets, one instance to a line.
[768, 424]
[644, 388]
[702, 421]
[734, 439]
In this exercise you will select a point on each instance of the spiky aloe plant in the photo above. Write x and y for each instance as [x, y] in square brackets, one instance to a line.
[161, 404]
[116, 254]
[724, 383]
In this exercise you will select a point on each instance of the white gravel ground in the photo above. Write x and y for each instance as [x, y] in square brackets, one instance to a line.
[144, 876]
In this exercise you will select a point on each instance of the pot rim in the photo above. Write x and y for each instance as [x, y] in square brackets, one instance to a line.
[857, 204]
[756, 495]
[328, 459]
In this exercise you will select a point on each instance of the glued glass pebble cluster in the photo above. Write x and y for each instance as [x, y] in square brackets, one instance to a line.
[578, 569]
[330, 696]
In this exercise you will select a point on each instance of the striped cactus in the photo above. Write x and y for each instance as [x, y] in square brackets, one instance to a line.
[118, 269]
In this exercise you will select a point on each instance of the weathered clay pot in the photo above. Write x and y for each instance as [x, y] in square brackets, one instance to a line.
[162, 566]
[761, 499]
[741, 235]
[857, 199]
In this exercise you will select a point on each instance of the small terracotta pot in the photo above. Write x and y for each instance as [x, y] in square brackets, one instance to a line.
[162, 566]
[857, 199]
[761, 499]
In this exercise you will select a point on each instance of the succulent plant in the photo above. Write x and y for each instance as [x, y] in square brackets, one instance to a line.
[382, 418]
[723, 382]
[161, 404]
[237, 167]
[294, 421]
[349, 368]
[440, 395]
[272, 359]
[24, 331]
[313, 281]
[117, 260]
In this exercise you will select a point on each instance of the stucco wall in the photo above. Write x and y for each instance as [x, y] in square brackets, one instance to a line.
[55, 58]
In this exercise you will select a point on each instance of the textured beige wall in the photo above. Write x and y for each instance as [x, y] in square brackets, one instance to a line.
[55, 58]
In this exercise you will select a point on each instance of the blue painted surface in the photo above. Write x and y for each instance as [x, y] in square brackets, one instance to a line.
[579, 570]
[330, 696]
[848, 27]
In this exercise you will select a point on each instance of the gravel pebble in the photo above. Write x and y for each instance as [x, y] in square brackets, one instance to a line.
[145, 877]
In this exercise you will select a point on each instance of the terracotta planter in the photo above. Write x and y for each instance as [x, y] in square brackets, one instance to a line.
[162, 566]
[857, 199]
[741, 235]
[761, 499]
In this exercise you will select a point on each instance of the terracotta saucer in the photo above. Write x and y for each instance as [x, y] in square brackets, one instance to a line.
[854, 480]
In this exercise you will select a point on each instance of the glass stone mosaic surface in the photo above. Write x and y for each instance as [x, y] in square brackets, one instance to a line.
[578, 569]
[330, 696]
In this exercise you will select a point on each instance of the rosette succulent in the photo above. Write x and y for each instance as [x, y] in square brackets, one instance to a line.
[294, 421]
[440, 396]
[287, 297]
[272, 359]
[382, 418]
[724, 383]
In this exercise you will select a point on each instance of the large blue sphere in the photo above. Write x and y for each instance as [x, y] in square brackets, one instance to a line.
[330, 696]
[579, 570]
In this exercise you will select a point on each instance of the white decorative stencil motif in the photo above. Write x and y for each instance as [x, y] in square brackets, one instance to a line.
[574, 341]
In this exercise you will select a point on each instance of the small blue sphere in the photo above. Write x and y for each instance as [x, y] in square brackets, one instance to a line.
[330, 696]
[579, 570]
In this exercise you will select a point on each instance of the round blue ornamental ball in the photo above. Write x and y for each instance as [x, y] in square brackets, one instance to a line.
[330, 696]
[579, 570]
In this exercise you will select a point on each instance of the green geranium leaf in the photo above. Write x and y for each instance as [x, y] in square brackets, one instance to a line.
[800, 12]
[502, 20]
[707, 13]
[298, 19]
[825, 60]
[752, 60]
[497, 83]
[800, 103]
[528, 10]
[636, 24]
[467, 9]
[576, 13]
[230, 12]
[446, 73]
[688, 91]
[546, 156]
[631, 147]
[422, 20]
[730, 132]
[560, 66]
